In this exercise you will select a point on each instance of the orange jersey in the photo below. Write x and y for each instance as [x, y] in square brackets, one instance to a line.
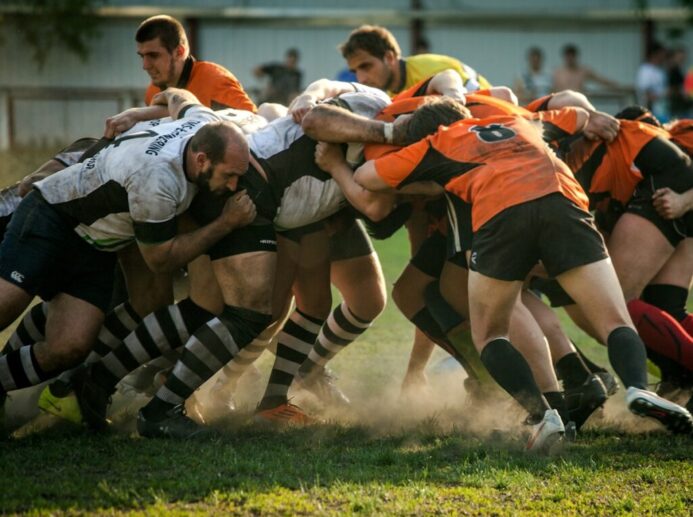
[608, 170]
[540, 104]
[480, 104]
[682, 135]
[492, 163]
[212, 84]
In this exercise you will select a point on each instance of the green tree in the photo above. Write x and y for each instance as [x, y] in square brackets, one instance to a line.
[45, 24]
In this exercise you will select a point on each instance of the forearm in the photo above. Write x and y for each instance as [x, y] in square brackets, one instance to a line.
[336, 125]
[185, 247]
[324, 89]
[374, 205]
[568, 98]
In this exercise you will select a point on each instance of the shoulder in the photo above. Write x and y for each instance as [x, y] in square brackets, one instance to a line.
[211, 69]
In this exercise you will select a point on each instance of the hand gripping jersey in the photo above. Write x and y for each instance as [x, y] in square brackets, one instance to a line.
[213, 85]
[132, 188]
[607, 171]
[492, 163]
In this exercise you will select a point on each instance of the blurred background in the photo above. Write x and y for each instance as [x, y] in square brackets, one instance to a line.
[65, 67]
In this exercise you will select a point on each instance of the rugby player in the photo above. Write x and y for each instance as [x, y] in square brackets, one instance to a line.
[279, 151]
[58, 242]
[500, 263]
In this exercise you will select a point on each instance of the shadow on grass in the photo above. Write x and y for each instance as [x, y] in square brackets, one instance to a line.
[71, 470]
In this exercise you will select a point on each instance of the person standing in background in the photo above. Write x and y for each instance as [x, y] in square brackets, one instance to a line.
[533, 82]
[573, 75]
[284, 78]
[651, 81]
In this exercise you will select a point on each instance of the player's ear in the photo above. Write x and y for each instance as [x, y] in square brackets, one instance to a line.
[390, 57]
[179, 51]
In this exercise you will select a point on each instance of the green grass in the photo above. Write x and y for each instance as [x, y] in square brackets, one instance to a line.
[413, 459]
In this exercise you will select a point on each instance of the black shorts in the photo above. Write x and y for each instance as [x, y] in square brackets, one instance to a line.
[675, 230]
[551, 229]
[350, 242]
[459, 226]
[431, 255]
[248, 239]
[296, 234]
[42, 254]
[550, 288]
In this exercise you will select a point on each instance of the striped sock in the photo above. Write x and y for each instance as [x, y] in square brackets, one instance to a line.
[20, 369]
[164, 330]
[30, 330]
[294, 343]
[212, 346]
[340, 329]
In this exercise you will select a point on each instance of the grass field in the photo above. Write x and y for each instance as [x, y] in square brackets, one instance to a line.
[428, 456]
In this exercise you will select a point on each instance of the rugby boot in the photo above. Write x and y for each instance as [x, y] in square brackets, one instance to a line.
[546, 434]
[93, 399]
[174, 424]
[647, 404]
[63, 406]
[321, 383]
[584, 400]
[609, 381]
[284, 414]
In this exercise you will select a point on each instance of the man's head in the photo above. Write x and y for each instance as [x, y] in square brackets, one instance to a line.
[163, 47]
[435, 112]
[639, 113]
[219, 154]
[372, 53]
[291, 58]
[656, 53]
[535, 58]
[570, 55]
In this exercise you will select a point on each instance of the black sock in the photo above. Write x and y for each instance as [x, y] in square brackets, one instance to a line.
[510, 370]
[669, 298]
[628, 357]
[572, 371]
[424, 321]
[591, 366]
[557, 401]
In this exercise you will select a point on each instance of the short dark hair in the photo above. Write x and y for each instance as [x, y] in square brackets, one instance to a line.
[433, 113]
[373, 39]
[535, 51]
[169, 30]
[570, 49]
[639, 113]
[293, 52]
[212, 140]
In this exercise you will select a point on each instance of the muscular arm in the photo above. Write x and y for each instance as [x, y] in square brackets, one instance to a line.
[315, 92]
[374, 205]
[334, 124]
[174, 253]
[671, 205]
[600, 126]
[448, 83]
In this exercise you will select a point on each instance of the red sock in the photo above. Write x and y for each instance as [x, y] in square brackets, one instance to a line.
[662, 333]
[687, 323]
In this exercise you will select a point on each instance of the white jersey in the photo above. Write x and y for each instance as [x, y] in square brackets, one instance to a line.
[304, 193]
[134, 187]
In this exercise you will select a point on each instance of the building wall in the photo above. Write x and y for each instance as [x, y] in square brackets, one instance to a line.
[495, 47]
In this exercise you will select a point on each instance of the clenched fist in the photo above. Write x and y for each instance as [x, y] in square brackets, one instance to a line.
[238, 211]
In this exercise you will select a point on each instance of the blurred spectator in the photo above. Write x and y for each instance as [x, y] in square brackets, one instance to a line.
[651, 81]
[422, 46]
[574, 76]
[533, 82]
[679, 102]
[284, 79]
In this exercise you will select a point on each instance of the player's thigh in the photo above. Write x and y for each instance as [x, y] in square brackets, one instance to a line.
[596, 290]
[203, 285]
[147, 291]
[638, 251]
[361, 282]
[678, 270]
[454, 279]
[409, 290]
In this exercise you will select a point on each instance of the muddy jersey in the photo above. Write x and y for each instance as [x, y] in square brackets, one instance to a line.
[303, 192]
[492, 163]
[132, 188]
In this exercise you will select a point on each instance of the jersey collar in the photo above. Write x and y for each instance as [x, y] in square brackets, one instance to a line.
[185, 74]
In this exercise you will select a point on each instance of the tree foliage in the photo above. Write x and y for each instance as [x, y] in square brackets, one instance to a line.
[45, 24]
